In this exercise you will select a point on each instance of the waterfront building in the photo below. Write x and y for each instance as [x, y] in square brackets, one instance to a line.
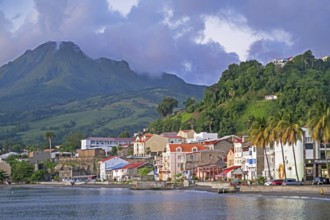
[310, 159]
[174, 159]
[253, 162]
[85, 163]
[129, 171]
[204, 165]
[314, 154]
[109, 164]
[288, 163]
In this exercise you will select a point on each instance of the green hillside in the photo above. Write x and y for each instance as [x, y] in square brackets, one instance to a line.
[229, 106]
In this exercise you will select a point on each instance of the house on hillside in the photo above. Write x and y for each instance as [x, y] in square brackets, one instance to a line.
[187, 134]
[173, 139]
[174, 159]
[151, 144]
[203, 136]
[109, 164]
[223, 144]
[129, 171]
[270, 97]
[281, 62]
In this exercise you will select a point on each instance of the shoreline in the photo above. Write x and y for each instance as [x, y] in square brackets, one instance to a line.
[271, 193]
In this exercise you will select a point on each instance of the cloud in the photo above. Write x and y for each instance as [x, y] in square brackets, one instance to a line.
[123, 7]
[196, 41]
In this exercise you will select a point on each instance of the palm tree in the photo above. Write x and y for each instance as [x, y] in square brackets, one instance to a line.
[292, 133]
[50, 135]
[274, 123]
[259, 136]
[319, 126]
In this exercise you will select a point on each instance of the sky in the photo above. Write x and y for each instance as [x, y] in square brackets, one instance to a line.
[194, 39]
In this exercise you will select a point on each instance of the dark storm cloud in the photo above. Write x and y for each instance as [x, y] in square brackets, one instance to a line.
[161, 36]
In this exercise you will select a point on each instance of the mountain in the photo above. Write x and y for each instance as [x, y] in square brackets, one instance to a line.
[242, 94]
[55, 73]
[55, 79]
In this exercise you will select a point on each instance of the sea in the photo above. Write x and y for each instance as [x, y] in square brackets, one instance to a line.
[116, 203]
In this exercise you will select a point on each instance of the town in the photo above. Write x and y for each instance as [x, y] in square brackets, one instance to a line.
[178, 156]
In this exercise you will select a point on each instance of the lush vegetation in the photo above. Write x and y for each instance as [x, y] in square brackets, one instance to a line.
[231, 105]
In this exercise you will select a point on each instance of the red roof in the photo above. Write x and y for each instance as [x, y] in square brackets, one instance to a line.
[186, 147]
[238, 140]
[224, 173]
[108, 158]
[133, 165]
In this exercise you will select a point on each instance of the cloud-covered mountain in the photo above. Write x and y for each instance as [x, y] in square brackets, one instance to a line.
[55, 73]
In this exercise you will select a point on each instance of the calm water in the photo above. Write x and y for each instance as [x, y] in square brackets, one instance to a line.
[103, 203]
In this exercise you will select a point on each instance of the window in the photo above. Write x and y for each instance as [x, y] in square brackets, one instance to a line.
[179, 157]
[191, 156]
[309, 146]
[178, 149]
[322, 155]
[194, 149]
[308, 140]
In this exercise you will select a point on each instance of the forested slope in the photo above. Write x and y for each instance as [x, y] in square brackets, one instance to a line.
[229, 106]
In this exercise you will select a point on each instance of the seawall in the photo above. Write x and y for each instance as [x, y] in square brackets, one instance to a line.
[292, 189]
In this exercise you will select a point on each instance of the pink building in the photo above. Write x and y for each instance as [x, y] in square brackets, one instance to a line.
[174, 159]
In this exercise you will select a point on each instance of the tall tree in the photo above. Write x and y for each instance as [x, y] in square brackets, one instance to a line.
[277, 132]
[166, 106]
[292, 133]
[259, 136]
[319, 125]
[50, 135]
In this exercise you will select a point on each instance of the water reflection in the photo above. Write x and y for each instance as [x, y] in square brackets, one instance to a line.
[83, 203]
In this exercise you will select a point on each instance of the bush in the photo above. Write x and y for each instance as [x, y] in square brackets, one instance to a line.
[261, 180]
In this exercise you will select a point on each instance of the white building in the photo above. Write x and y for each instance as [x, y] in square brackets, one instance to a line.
[249, 165]
[105, 143]
[109, 164]
[289, 161]
[203, 136]
[129, 171]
